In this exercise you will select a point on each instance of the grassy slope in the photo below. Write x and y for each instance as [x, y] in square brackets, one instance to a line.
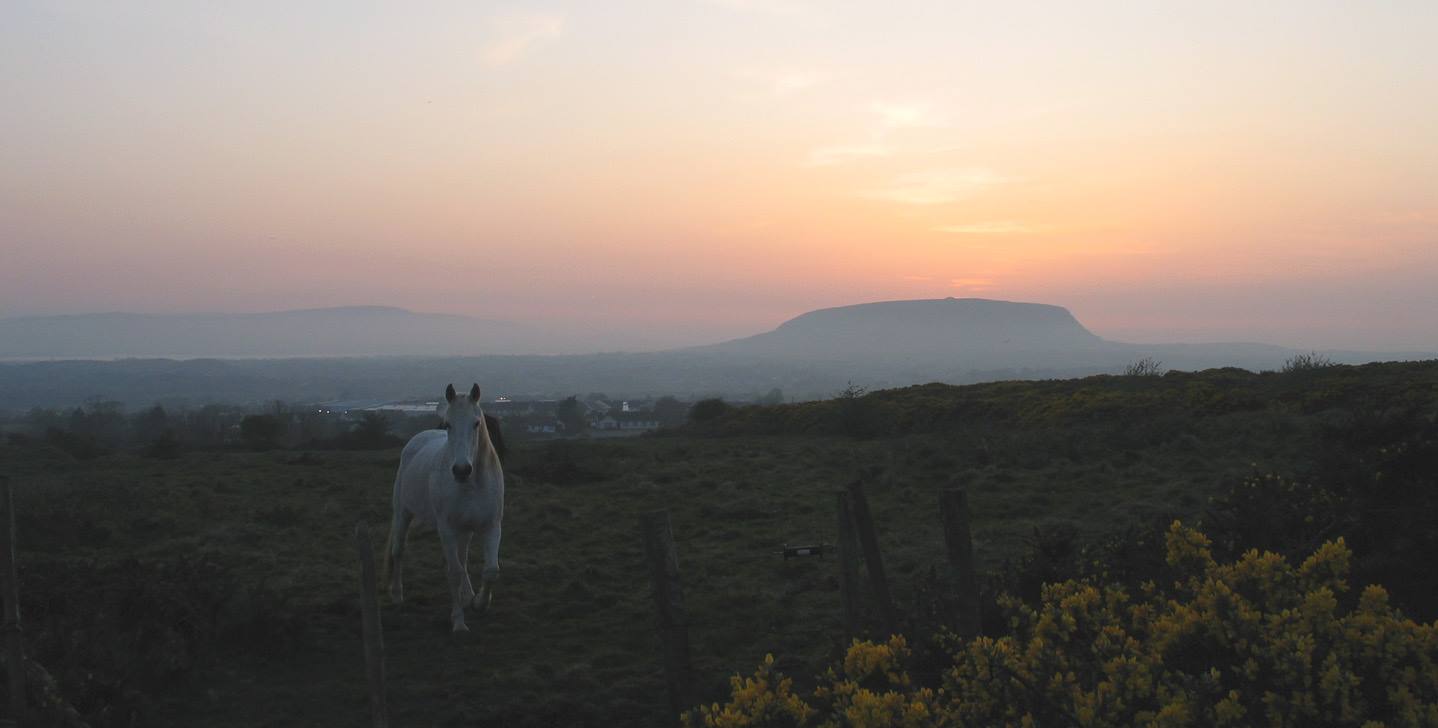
[570, 637]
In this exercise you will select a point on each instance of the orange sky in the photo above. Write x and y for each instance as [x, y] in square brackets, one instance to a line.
[707, 168]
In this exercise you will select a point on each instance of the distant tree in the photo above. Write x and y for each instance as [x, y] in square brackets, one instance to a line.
[41, 419]
[79, 422]
[260, 432]
[708, 409]
[669, 410]
[370, 433]
[1145, 367]
[149, 425]
[775, 396]
[855, 413]
[571, 413]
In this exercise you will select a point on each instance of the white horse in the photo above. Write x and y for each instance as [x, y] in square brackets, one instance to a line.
[451, 479]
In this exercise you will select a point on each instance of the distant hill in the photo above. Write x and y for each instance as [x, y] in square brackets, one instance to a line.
[344, 331]
[952, 339]
[975, 329]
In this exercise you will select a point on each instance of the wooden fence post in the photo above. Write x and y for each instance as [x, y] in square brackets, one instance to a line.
[373, 635]
[9, 579]
[669, 607]
[848, 563]
[869, 541]
[954, 504]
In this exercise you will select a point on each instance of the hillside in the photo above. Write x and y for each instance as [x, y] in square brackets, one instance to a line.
[244, 562]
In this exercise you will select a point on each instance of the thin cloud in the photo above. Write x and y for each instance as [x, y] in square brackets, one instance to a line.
[764, 7]
[935, 187]
[997, 227]
[516, 34]
[905, 115]
[972, 284]
[839, 154]
[785, 81]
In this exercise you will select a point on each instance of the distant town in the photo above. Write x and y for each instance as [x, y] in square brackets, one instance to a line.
[355, 424]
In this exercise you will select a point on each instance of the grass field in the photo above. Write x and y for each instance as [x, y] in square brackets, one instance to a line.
[221, 588]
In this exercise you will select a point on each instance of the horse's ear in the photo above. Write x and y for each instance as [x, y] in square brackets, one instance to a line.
[449, 393]
[474, 393]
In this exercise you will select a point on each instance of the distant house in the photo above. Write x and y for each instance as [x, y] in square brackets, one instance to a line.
[627, 422]
[406, 408]
[505, 406]
[544, 427]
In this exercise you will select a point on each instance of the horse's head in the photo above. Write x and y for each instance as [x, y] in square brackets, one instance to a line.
[462, 418]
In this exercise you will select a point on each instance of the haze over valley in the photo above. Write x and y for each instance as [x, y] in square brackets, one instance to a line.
[391, 354]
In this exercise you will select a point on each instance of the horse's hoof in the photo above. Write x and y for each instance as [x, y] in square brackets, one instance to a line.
[459, 630]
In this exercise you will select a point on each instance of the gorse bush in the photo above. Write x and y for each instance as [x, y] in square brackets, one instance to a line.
[1258, 641]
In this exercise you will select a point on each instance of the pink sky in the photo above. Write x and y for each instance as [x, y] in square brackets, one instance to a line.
[708, 168]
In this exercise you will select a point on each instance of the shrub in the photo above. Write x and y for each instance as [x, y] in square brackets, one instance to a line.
[1256, 641]
[261, 432]
[1145, 367]
[856, 411]
[706, 410]
[78, 446]
[1307, 362]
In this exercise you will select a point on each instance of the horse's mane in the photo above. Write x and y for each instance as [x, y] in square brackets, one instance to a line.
[496, 436]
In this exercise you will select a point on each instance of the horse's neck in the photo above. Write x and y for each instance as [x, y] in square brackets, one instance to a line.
[483, 445]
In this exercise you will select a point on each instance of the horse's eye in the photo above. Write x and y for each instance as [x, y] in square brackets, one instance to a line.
[476, 424]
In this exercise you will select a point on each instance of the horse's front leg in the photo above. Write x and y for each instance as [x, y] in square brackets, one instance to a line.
[491, 568]
[466, 588]
[454, 569]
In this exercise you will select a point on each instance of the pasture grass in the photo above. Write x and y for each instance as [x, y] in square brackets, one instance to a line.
[220, 588]
[570, 638]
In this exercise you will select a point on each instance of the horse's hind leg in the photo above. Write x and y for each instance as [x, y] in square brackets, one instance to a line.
[398, 532]
[490, 541]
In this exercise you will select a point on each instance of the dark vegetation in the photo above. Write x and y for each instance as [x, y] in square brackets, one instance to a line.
[218, 586]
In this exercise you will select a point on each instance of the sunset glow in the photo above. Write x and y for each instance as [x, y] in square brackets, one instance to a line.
[707, 169]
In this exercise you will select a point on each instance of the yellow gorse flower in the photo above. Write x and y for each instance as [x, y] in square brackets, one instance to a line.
[1253, 642]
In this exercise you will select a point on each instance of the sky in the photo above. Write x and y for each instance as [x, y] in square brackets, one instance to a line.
[684, 171]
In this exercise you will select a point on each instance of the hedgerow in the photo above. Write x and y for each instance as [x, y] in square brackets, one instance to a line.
[1258, 641]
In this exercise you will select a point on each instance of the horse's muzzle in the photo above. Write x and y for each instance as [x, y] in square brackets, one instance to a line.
[461, 472]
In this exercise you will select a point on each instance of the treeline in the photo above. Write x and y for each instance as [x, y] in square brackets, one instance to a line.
[101, 426]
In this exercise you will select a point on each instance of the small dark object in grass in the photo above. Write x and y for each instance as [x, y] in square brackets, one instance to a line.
[809, 550]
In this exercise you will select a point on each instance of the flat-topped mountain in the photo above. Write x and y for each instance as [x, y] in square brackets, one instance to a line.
[969, 328]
